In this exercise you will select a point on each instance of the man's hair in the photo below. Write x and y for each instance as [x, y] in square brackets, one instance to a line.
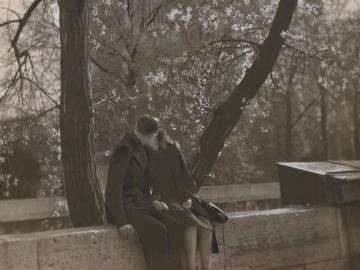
[147, 125]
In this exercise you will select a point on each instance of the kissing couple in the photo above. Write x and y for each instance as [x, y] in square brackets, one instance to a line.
[150, 193]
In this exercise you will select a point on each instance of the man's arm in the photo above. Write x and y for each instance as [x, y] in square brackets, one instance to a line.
[118, 168]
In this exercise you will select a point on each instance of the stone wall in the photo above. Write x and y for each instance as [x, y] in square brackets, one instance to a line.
[281, 239]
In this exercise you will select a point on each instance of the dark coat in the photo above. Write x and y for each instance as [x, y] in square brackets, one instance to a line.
[126, 180]
[172, 182]
[128, 201]
[170, 176]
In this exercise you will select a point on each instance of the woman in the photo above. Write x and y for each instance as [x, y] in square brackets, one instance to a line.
[174, 185]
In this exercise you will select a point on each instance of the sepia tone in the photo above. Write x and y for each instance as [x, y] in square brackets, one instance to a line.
[260, 97]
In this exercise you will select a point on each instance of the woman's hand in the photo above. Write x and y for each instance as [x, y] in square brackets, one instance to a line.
[159, 205]
[187, 203]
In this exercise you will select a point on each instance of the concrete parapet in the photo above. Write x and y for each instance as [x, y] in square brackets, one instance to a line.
[281, 238]
[292, 239]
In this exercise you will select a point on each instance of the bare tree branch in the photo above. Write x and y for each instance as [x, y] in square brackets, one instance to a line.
[308, 107]
[26, 71]
[286, 45]
[250, 42]
[42, 90]
[23, 21]
[11, 11]
[9, 22]
[104, 69]
[153, 15]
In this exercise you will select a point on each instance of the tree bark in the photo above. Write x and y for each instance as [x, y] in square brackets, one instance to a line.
[228, 114]
[289, 126]
[289, 109]
[324, 131]
[356, 120]
[85, 201]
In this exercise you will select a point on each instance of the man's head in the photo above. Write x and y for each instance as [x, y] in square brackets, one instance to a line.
[146, 128]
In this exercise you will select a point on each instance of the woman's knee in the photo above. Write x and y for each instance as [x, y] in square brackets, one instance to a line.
[206, 233]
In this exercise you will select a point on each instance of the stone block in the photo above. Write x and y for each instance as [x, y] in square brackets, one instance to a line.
[351, 217]
[298, 267]
[341, 264]
[351, 213]
[342, 232]
[3, 255]
[21, 252]
[218, 260]
[281, 238]
[89, 248]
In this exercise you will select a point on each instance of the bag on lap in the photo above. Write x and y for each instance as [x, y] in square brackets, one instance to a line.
[214, 212]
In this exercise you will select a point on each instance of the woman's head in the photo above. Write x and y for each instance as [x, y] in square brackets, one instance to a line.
[160, 141]
[163, 139]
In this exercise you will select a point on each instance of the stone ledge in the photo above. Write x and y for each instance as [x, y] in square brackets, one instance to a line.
[305, 238]
[282, 238]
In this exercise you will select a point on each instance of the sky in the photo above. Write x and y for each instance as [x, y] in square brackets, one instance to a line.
[353, 5]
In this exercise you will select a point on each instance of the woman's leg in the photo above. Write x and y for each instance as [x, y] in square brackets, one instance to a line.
[190, 246]
[205, 245]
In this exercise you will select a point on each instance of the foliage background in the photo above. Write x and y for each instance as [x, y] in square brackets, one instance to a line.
[178, 60]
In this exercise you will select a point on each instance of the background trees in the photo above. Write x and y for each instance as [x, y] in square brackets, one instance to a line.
[29, 92]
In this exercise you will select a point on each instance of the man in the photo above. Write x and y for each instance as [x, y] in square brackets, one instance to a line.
[128, 200]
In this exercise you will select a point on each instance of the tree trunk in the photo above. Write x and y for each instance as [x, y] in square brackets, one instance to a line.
[228, 114]
[289, 109]
[289, 126]
[82, 188]
[356, 121]
[324, 133]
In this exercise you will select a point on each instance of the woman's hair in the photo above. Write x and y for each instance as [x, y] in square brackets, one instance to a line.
[164, 139]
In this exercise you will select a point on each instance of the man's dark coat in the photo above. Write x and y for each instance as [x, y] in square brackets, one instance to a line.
[125, 178]
[128, 201]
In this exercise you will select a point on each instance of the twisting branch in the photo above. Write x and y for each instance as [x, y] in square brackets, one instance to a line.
[224, 40]
[287, 46]
[24, 20]
[104, 69]
[9, 22]
[42, 90]
[227, 115]
[306, 109]
[153, 15]
[8, 9]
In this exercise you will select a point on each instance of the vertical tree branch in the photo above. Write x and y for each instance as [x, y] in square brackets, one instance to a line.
[227, 115]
